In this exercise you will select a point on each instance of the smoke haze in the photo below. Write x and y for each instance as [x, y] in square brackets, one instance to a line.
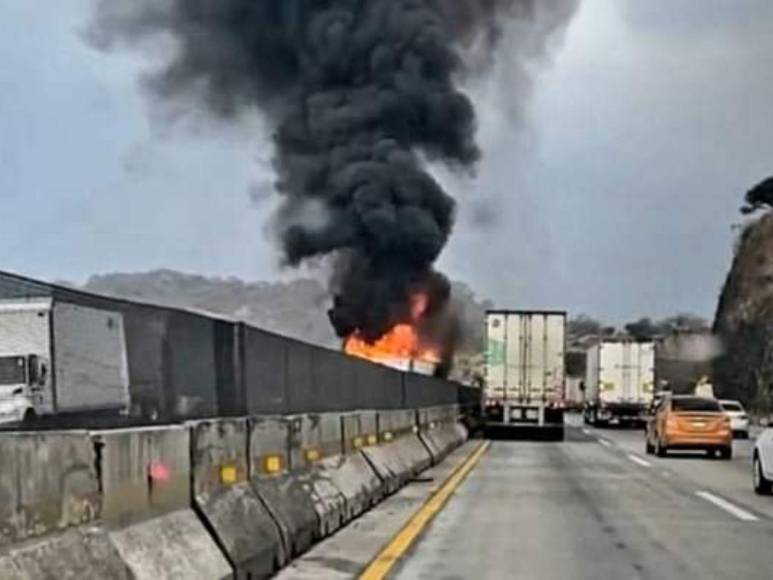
[359, 94]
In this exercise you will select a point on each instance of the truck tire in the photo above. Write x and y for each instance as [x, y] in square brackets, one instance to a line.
[726, 453]
[762, 485]
[648, 447]
[660, 449]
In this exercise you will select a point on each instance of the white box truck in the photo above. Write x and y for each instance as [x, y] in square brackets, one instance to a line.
[619, 383]
[525, 372]
[58, 358]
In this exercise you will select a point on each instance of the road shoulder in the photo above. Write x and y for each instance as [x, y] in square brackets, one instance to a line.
[348, 553]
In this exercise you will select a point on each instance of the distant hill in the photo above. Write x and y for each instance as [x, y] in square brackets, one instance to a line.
[297, 308]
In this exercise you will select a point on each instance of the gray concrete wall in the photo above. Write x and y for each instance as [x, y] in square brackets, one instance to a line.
[289, 503]
[49, 506]
[209, 499]
[48, 483]
[146, 504]
[224, 498]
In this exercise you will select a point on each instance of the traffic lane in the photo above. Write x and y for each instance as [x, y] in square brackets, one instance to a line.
[581, 510]
[633, 440]
[732, 479]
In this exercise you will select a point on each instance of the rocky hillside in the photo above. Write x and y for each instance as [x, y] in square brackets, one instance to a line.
[744, 318]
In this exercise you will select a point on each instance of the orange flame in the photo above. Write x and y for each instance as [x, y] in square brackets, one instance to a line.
[402, 344]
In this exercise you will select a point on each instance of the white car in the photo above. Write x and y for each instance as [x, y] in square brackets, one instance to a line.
[762, 463]
[739, 420]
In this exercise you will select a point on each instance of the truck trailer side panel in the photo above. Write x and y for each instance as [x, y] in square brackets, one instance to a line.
[90, 366]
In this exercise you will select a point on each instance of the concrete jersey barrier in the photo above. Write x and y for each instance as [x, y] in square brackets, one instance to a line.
[291, 506]
[440, 430]
[400, 455]
[146, 505]
[49, 509]
[208, 499]
[311, 436]
[344, 465]
[224, 498]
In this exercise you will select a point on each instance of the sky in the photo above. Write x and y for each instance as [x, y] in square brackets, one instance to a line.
[616, 197]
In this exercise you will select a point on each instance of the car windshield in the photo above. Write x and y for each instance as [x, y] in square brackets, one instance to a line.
[12, 370]
[735, 407]
[694, 404]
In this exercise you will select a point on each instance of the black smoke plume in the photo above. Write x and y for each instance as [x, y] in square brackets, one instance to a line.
[360, 93]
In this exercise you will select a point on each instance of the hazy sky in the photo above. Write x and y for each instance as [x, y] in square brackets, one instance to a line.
[617, 198]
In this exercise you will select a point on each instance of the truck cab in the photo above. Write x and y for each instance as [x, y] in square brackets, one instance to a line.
[58, 358]
[21, 379]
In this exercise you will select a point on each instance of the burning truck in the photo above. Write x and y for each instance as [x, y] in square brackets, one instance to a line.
[403, 347]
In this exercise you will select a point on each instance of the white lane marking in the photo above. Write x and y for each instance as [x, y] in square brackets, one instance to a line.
[730, 508]
[604, 442]
[639, 460]
[587, 431]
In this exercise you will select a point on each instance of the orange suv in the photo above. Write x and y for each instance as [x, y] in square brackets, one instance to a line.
[687, 422]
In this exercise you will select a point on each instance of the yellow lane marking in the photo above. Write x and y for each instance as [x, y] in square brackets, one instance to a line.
[406, 537]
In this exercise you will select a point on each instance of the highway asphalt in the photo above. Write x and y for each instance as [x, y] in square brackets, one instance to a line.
[596, 507]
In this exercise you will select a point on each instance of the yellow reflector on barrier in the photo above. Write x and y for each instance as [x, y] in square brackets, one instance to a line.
[432, 425]
[415, 429]
[229, 475]
[312, 455]
[272, 463]
[372, 439]
[388, 436]
[358, 442]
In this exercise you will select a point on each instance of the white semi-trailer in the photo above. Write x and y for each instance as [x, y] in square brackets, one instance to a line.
[620, 382]
[57, 358]
[525, 372]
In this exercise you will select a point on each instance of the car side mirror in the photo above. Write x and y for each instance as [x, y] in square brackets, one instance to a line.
[36, 371]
